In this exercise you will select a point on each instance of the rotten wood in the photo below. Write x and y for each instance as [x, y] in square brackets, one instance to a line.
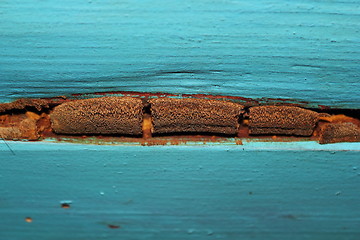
[282, 120]
[108, 115]
[195, 115]
[118, 117]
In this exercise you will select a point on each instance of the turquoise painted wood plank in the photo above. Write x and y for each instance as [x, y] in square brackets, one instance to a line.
[303, 49]
[178, 192]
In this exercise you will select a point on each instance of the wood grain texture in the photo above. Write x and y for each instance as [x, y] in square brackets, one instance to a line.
[177, 192]
[302, 50]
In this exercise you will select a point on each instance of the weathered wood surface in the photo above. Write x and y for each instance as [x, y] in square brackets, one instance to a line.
[178, 192]
[302, 50]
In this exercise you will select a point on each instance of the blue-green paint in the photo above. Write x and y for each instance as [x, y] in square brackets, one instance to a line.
[178, 192]
[302, 49]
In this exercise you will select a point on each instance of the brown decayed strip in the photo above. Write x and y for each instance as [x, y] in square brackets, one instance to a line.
[282, 120]
[194, 115]
[29, 119]
[107, 115]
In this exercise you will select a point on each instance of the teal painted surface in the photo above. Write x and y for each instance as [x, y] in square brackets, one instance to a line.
[178, 192]
[302, 50]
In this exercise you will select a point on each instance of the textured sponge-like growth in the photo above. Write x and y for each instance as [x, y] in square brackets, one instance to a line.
[194, 115]
[283, 120]
[340, 132]
[107, 115]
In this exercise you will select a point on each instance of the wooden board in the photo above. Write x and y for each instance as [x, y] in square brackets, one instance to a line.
[179, 192]
[302, 50]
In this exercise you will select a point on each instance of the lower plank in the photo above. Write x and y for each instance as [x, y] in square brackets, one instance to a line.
[178, 192]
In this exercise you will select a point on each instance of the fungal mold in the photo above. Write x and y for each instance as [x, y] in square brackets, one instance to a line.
[108, 115]
[195, 115]
[283, 120]
[158, 119]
